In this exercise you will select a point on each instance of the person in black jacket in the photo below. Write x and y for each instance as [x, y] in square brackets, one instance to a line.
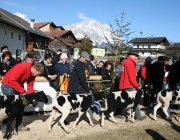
[106, 72]
[90, 66]
[56, 58]
[50, 73]
[98, 68]
[7, 63]
[77, 80]
[157, 75]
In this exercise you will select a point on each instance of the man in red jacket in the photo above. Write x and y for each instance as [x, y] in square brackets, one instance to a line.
[13, 82]
[128, 78]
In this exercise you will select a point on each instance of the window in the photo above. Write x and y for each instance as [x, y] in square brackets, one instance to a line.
[19, 36]
[11, 35]
[5, 33]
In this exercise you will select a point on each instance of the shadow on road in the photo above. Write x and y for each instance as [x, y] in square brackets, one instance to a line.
[155, 135]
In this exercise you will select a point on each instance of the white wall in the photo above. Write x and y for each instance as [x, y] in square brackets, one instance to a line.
[14, 43]
[146, 46]
[45, 28]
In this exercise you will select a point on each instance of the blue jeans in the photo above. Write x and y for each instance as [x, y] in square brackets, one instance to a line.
[137, 110]
[7, 90]
[165, 85]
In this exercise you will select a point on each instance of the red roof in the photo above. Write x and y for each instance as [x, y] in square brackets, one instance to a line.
[38, 25]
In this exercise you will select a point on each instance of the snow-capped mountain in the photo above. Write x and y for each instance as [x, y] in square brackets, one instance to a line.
[92, 29]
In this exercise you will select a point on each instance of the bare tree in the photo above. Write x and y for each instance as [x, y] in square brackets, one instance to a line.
[173, 49]
[120, 37]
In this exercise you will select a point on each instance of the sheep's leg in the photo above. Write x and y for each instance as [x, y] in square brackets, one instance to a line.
[165, 108]
[102, 120]
[13, 127]
[61, 121]
[133, 114]
[88, 114]
[107, 112]
[128, 116]
[51, 118]
[77, 119]
[112, 116]
[10, 120]
[156, 108]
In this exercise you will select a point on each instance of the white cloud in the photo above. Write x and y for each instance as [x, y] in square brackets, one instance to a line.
[19, 5]
[83, 17]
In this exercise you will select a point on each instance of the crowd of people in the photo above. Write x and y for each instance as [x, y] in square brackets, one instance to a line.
[130, 75]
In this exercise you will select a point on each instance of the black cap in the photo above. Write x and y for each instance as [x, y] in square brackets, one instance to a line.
[133, 52]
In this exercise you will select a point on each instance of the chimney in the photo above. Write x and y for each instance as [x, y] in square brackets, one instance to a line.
[32, 23]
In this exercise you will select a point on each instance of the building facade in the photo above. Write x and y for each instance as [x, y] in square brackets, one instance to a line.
[151, 46]
[19, 35]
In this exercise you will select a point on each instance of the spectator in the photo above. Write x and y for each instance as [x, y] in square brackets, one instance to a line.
[3, 49]
[118, 70]
[50, 73]
[138, 69]
[62, 68]
[19, 60]
[13, 82]
[98, 68]
[174, 76]
[174, 73]
[56, 58]
[157, 75]
[166, 71]
[6, 64]
[128, 79]
[90, 66]
[77, 80]
[29, 57]
[106, 72]
[146, 78]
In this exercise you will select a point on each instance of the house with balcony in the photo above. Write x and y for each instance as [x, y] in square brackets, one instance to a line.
[150, 46]
[21, 36]
[62, 39]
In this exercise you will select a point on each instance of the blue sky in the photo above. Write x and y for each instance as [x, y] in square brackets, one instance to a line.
[159, 18]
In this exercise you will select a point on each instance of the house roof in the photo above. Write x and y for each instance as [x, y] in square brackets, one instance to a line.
[42, 24]
[149, 40]
[57, 33]
[60, 33]
[17, 22]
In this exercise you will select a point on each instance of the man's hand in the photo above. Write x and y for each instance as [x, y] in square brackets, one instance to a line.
[90, 92]
[138, 88]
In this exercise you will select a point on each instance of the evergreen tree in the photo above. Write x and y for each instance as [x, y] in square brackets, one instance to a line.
[85, 45]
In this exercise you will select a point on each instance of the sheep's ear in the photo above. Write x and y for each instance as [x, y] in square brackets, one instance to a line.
[34, 102]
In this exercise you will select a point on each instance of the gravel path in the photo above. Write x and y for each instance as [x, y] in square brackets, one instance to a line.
[141, 130]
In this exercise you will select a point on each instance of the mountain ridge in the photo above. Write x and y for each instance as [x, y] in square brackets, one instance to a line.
[92, 29]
